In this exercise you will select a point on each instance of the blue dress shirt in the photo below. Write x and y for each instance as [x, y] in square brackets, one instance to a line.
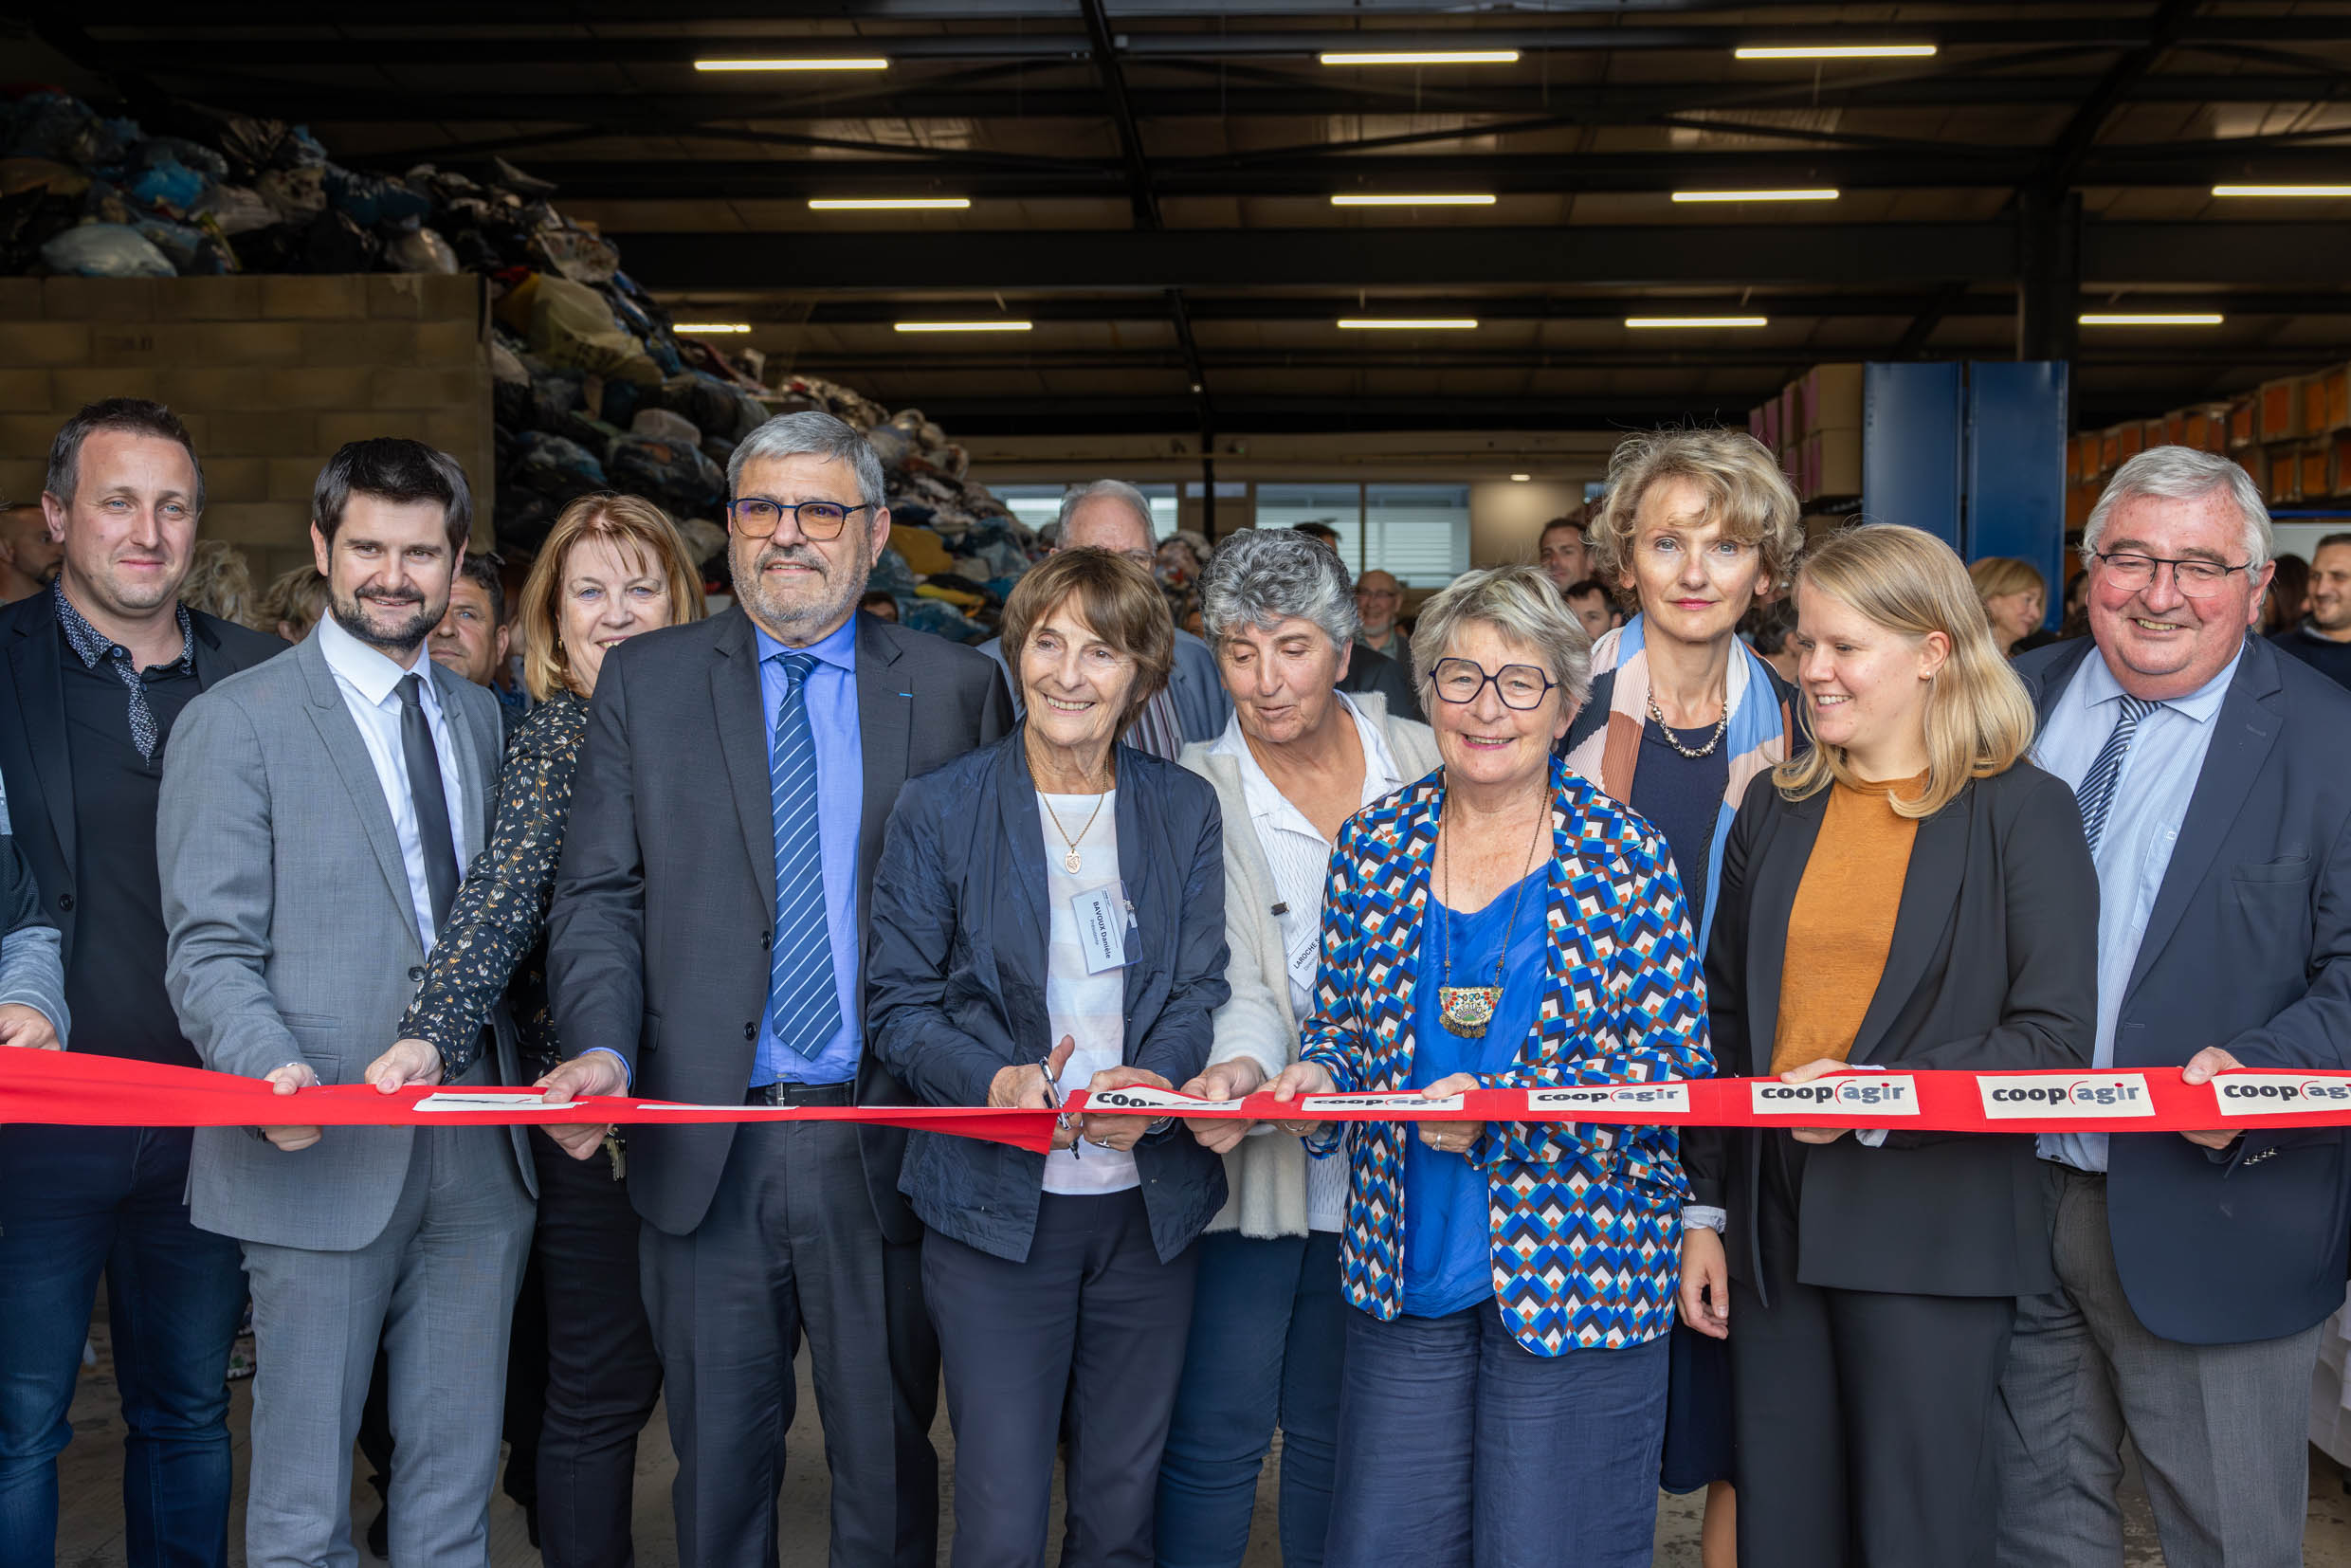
[2151, 798]
[840, 805]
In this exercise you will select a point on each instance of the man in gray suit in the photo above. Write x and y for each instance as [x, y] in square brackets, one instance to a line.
[707, 944]
[317, 814]
[1112, 514]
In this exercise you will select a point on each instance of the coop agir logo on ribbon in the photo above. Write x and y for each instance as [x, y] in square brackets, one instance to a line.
[2278, 1093]
[1665, 1099]
[1875, 1094]
[2031, 1097]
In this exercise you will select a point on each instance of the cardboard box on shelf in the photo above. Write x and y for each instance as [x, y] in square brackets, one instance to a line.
[2205, 427]
[2312, 479]
[1791, 413]
[2337, 443]
[1832, 463]
[2080, 497]
[2279, 405]
[2281, 472]
[2326, 401]
[2242, 426]
[1831, 397]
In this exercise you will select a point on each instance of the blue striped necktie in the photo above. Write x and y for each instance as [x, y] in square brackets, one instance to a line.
[803, 1003]
[2097, 792]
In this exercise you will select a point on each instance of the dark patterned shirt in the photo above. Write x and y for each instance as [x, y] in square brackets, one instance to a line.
[494, 942]
[91, 644]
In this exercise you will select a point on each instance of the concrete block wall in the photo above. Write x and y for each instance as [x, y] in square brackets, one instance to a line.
[272, 374]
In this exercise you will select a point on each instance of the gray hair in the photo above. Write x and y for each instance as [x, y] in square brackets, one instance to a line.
[1117, 489]
[1262, 576]
[2182, 473]
[1521, 603]
[810, 432]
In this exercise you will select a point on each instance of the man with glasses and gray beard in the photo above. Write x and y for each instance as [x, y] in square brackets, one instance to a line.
[706, 944]
[2193, 1269]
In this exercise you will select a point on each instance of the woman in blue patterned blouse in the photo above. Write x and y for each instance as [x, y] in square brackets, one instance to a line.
[1503, 925]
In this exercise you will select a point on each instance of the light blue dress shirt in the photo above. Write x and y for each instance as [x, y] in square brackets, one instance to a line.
[2151, 798]
[840, 805]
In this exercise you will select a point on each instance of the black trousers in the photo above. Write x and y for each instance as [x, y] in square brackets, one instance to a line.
[601, 1376]
[1093, 1325]
[1863, 1418]
[790, 1246]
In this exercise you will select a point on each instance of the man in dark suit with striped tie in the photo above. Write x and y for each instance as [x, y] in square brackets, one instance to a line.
[2215, 781]
[706, 944]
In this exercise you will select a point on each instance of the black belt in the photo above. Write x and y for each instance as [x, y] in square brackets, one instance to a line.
[802, 1094]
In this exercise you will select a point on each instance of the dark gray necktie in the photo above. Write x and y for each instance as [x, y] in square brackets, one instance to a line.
[432, 807]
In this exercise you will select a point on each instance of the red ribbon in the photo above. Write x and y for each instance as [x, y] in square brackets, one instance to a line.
[69, 1089]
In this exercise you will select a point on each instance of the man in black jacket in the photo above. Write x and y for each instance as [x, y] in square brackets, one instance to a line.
[706, 944]
[99, 665]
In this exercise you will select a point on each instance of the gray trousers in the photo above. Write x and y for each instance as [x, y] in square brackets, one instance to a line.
[790, 1246]
[2221, 1429]
[437, 1288]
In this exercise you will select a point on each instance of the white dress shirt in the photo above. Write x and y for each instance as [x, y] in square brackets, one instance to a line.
[1299, 858]
[370, 682]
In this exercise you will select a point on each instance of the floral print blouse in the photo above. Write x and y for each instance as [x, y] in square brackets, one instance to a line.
[494, 942]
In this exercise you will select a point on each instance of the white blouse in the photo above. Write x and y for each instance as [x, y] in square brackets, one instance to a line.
[1090, 1009]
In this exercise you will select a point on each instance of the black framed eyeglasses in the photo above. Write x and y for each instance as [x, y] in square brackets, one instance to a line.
[1520, 686]
[2198, 579]
[757, 517]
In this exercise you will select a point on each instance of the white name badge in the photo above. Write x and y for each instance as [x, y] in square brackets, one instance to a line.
[2278, 1093]
[1880, 1094]
[1666, 1099]
[490, 1101]
[1401, 1098]
[1102, 928]
[1143, 1097]
[2020, 1098]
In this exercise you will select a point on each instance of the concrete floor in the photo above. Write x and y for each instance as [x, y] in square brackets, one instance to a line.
[91, 1533]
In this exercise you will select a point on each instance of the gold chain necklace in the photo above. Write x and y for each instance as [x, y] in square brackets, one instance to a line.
[1469, 1009]
[1073, 862]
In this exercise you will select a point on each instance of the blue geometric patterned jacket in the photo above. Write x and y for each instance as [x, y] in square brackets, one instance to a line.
[1585, 1219]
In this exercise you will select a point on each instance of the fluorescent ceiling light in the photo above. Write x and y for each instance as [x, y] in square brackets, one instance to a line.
[1697, 321]
[1521, 478]
[888, 203]
[1408, 324]
[1451, 200]
[1756, 195]
[1425, 57]
[1836, 51]
[2152, 318]
[705, 328]
[837, 63]
[961, 326]
[2282, 190]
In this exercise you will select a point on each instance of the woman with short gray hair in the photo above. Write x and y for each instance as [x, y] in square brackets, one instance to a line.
[1297, 760]
[1501, 923]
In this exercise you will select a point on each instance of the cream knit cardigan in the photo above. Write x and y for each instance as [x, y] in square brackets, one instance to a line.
[1266, 1175]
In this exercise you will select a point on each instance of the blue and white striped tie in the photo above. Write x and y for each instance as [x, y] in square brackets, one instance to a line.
[2097, 792]
[803, 1002]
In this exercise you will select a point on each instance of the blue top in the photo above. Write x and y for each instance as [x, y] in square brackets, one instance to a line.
[1682, 796]
[840, 805]
[2151, 794]
[1447, 1248]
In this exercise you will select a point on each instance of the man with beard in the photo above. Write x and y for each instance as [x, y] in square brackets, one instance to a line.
[98, 669]
[706, 944]
[2324, 641]
[318, 813]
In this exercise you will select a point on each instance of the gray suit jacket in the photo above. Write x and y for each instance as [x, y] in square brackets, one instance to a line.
[293, 934]
[657, 942]
[1201, 703]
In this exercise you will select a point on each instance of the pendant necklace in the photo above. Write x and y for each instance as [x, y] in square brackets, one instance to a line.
[1072, 861]
[1469, 1009]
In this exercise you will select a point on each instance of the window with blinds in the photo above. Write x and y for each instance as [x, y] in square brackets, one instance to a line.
[1418, 531]
[1341, 506]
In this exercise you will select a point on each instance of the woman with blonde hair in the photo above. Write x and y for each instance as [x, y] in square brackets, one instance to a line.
[612, 568]
[2015, 597]
[1698, 526]
[1907, 894]
[292, 603]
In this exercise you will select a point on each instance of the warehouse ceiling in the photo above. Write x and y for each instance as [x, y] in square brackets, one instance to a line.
[1151, 183]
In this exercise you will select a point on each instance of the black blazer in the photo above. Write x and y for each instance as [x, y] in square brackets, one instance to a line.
[1994, 964]
[957, 972]
[664, 903]
[1369, 670]
[2247, 946]
[35, 757]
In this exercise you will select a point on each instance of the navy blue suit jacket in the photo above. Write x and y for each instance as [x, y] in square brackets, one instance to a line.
[2248, 948]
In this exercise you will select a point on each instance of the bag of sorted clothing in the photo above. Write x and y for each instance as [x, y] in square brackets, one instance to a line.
[52, 125]
[574, 253]
[334, 243]
[169, 184]
[940, 620]
[372, 199]
[569, 323]
[712, 406]
[421, 250]
[557, 468]
[105, 250]
[236, 210]
[922, 551]
[671, 472]
[891, 575]
[194, 252]
[665, 425]
[254, 145]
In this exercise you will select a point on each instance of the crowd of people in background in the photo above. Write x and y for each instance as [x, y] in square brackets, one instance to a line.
[1686, 793]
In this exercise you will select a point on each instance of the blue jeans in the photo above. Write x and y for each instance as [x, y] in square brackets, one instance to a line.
[1267, 1325]
[76, 1202]
[1459, 1448]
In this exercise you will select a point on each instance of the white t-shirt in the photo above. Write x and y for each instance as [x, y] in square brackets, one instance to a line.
[1090, 1009]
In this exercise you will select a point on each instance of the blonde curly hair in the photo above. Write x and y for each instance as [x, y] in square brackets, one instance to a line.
[1743, 485]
